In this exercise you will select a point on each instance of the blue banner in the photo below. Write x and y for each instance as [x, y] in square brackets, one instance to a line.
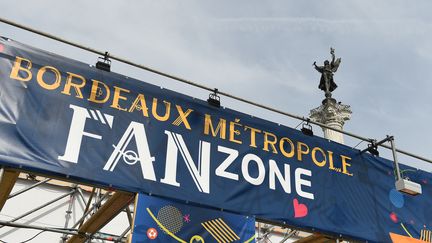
[160, 220]
[65, 118]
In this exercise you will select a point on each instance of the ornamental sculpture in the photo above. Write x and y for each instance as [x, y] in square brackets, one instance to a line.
[327, 71]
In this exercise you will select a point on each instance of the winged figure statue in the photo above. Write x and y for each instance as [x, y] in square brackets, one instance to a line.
[327, 83]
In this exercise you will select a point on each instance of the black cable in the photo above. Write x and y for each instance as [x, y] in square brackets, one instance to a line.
[299, 124]
[36, 235]
[202, 86]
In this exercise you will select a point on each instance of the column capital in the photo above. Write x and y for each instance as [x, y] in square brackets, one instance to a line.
[333, 114]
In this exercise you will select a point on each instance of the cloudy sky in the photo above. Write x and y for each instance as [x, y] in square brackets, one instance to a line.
[263, 51]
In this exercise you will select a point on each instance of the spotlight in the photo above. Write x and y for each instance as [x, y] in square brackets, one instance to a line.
[408, 187]
[307, 129]
[373, 146]
[373, 149]
[104, 63]
[214, 99]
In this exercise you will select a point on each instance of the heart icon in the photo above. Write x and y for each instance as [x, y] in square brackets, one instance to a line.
[300, 210]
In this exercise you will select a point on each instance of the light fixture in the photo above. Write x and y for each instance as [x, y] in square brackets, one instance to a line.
[307, 129]
[104, 63]
[373, 148]
[214, 99]
[408, 187]
[402, 184]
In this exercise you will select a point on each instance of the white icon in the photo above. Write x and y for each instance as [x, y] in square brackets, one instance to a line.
[130, 157]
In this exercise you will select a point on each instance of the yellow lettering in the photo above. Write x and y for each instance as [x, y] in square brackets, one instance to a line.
[42, 82]
[141, 106]
[221, 127]
[300, 151]
[167, 110]
[97, 91]
[345, 165]
[182, 118]
[117, 96]
[233, 132]
[268, 142]
[282, 149]
[70, 84]
[319, 163]
[17, 67]
[253, 132]
[331, 164]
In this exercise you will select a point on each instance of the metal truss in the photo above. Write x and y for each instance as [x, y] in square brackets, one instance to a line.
[101, 206]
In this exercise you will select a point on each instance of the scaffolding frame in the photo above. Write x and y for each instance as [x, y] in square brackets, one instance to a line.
[101, 207]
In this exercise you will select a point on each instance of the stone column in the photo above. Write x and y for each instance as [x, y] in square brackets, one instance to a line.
[333, 114]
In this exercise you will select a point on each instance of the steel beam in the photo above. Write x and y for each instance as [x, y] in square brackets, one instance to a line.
[7, 182]
[28, 188]
[56, 230]
[103, 215]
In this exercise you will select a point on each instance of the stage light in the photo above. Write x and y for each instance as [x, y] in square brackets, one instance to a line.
[104, 63]
[214, 99]
[307, 129]
[373, 149]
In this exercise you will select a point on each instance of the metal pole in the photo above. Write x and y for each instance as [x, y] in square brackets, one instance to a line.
[201, 86]
[18, 225]
[129, 215]
[398, 175]
[95, 205]
[42, 206]
[259, 230]
[376, 144]
[81, 195]
[98, 195]
[88, 204]
[288, 235]
[68, 212]
[60, 231]
[28, 188]
[124, 234]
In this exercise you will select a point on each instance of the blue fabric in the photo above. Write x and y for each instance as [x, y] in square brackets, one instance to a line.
[187, 222]
[337, 190]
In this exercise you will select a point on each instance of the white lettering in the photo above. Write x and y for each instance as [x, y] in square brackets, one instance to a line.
[76, 132]
[200, 174]
[135, 130]
[275, 172]
[221, 169]
[299, 182]
[245, 169]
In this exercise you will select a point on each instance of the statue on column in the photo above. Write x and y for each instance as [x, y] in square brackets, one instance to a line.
[327, 83]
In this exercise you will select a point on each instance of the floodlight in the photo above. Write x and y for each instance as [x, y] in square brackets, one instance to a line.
[403, 184]
[307, 129]
[373, 149]
[408, 187]
[214, 99]
[104, 63]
